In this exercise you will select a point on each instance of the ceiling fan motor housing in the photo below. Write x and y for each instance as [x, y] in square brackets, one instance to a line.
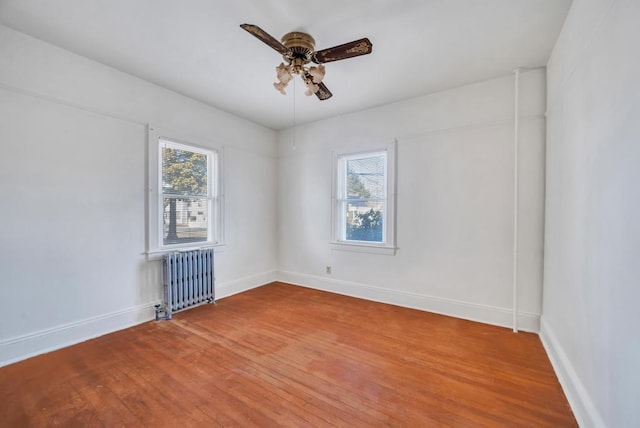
[301, 45]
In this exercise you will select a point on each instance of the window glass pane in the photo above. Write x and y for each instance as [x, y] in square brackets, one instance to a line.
[365, 221]
[183, 172]
[365, 177]
[185, 220]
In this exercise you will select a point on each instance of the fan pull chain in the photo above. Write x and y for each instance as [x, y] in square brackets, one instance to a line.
[293, 143]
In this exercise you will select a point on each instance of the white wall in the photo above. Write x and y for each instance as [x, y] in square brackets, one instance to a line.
[592, 242]
[455, 203]
[72, 196]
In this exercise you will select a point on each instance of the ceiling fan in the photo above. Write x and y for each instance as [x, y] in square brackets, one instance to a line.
[298, 50]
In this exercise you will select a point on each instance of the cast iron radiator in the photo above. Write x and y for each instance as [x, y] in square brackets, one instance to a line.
[188, 281]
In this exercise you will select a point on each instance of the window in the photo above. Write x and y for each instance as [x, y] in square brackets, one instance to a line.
[185, 204]
[364, 200]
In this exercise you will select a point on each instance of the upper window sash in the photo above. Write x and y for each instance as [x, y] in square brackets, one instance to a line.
[343, 160]
[211, 161]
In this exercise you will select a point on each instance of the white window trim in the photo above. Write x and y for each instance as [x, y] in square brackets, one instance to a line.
[154, 194]
[389, 246]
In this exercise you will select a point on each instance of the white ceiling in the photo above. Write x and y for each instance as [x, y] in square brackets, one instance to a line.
[196, 47]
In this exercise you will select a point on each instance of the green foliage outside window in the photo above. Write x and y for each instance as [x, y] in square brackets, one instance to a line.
[366, 227]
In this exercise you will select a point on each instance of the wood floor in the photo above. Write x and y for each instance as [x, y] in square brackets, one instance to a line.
[282, 355]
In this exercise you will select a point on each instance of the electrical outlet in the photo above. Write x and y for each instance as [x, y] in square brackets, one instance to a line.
[328, 270]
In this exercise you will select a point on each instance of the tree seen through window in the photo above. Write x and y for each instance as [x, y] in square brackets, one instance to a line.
[185, 195]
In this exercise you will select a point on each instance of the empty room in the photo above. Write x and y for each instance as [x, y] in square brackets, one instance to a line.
[292, 213]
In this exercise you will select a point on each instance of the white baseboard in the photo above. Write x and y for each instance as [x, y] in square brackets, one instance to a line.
[482, 313]
[29, 345]
[584, 410]
[229, 288]
[43, 341]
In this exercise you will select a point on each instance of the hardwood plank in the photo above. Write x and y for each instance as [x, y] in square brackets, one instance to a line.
[283, 355]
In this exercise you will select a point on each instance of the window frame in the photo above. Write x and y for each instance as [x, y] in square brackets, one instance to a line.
[338, 220]
[157, 137]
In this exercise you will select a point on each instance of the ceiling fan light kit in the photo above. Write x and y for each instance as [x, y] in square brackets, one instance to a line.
[298, 50]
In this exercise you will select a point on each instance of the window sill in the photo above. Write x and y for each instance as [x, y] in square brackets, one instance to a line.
[363, 248]
[158, 254]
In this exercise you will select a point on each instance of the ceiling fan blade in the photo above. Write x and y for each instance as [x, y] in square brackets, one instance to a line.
[348, 50]
[265, 37]
[323, 93]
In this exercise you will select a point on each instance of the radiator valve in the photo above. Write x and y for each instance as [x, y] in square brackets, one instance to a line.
[162, 310]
